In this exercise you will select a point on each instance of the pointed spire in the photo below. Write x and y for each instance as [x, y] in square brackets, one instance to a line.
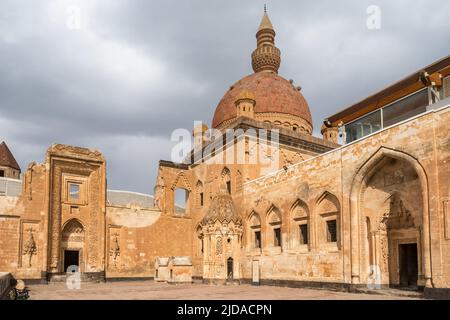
[265, 22]
[6, 157]
[266, 57]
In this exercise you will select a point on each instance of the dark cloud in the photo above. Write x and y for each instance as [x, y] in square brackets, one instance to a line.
[136, 70]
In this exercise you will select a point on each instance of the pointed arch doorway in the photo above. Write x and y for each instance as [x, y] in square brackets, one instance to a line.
[390, 198]
[72, 245]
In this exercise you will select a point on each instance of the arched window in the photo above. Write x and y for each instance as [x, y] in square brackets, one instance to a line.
[200, 194]
[328, 211]
[199, 234]
[181, 197]
[274, 227]
[300, 224]
[226, 178]
[181, 189]
[255, 231]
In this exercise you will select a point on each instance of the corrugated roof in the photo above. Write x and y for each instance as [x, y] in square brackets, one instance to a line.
[125, 198]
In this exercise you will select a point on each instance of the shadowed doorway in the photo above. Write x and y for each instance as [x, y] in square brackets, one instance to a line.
[408, 265]
[71, 258]
[230, 268]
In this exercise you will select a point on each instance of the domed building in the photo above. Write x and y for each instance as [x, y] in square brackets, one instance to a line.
[265, 95]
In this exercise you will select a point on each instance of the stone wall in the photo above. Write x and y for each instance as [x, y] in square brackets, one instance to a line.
[142, 235]
[411, 156]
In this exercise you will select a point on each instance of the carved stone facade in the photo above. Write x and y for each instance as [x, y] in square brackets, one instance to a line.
[221, 233]
[61, 212]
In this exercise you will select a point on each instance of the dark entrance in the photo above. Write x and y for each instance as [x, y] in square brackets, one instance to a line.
[71, 258]
[408, 265]
[230, 268]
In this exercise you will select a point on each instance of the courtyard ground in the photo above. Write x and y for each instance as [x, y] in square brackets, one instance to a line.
[149, 290]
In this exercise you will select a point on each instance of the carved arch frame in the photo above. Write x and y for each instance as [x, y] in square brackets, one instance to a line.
[360, 179]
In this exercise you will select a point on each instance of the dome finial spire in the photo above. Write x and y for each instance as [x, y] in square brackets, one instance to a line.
[266, 57]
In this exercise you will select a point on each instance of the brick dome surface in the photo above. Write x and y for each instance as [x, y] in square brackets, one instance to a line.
[273, 94]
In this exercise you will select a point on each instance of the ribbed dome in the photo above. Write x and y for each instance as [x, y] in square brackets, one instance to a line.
[222, 209]
[272, 94]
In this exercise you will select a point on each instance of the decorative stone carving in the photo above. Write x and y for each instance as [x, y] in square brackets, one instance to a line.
[30, 248]
[384, 253]
[181, 181]
[300, 210]
[219, 246]
[221, 223]
[397, 216]
[61, 148]
[114, 250]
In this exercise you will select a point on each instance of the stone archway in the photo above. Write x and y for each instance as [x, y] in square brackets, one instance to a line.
[72, 245]
[389, 209]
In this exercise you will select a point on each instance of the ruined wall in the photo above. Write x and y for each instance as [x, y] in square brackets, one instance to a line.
[23, 226]
[32, 225]
[136, 237]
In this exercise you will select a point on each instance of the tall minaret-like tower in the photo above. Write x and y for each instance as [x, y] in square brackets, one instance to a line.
[266, 57]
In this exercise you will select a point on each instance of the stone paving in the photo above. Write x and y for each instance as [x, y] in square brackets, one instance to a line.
[149, 290]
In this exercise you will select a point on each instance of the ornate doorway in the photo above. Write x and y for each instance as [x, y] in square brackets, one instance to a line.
[72, 245]
[392, 207]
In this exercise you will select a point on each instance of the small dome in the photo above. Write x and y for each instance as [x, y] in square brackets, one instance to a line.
[222, 209]
[272, 93]
[245, 95]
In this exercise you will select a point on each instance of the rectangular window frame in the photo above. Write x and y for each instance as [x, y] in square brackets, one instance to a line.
[257, 244]
[302, 239]
[277, 237]
[330, 239]
[82, 182]
[78, 192]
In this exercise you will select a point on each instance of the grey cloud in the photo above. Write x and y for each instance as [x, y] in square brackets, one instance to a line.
[136, 70]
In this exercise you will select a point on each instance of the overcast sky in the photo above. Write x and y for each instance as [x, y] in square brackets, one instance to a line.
[133, 71]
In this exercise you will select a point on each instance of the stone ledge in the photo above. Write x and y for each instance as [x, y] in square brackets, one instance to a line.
[437, 293]
[336, 286]
[121, 279]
